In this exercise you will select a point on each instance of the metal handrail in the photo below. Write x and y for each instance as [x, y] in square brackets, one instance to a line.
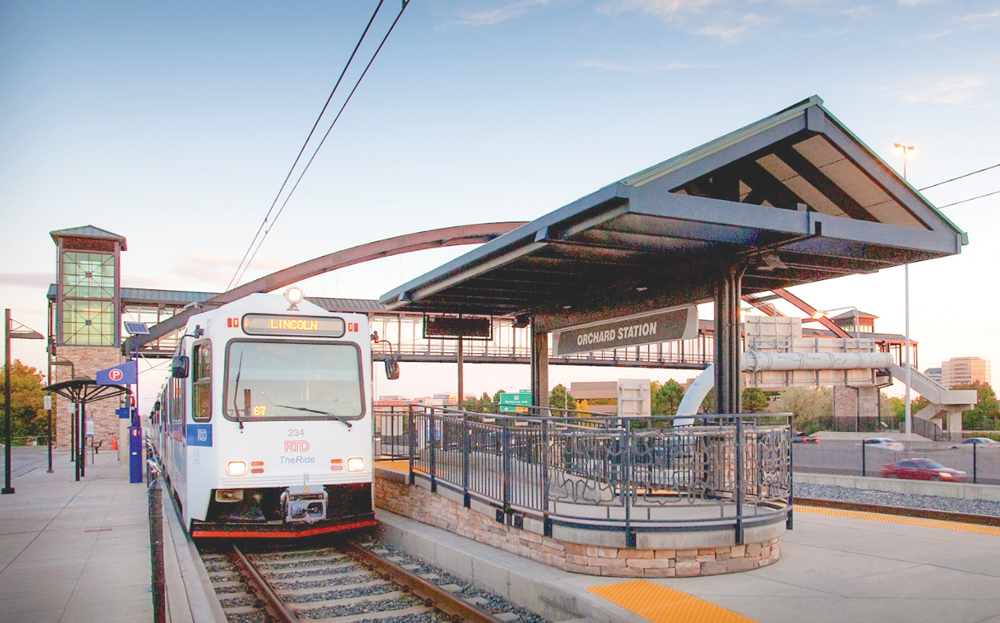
[597, 471]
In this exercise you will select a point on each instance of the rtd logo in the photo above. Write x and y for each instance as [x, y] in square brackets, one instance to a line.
[115, 375]
[297, 446]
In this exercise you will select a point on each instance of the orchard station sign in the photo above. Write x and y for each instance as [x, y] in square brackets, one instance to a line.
[661, 326]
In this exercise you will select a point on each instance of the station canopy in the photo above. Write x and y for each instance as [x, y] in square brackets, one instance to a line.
[794, 198]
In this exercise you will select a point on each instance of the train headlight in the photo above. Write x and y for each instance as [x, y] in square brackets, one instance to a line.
[236, 468]
[355, 464]
[294, 296]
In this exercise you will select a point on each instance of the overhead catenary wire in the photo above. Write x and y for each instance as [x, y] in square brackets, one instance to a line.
[954, 203]
[958, 178]
[995, 192]
[237, 275]
[323, 140]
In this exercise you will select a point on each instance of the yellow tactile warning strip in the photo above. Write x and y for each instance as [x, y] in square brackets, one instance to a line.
[910, 521]
[399, 466]
[661, 604]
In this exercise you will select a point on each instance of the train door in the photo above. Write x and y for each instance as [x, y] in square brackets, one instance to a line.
[177, 388]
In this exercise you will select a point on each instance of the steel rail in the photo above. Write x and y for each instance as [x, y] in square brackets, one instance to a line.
[447, 603]
[921, 513]
[274, 604]
[433, 596]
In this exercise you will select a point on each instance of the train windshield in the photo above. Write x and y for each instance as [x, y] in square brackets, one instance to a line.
[272, 380]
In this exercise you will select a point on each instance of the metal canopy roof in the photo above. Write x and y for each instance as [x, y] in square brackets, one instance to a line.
[795, 197]
[85, 390]
[87, 231]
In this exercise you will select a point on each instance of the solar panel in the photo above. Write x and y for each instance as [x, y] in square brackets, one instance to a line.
[136, 328]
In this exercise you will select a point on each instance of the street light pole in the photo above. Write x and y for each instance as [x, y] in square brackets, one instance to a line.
[7, 488]
[26, 333]
[906, 322]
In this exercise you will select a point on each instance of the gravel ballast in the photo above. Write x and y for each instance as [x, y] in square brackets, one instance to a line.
[885, 498]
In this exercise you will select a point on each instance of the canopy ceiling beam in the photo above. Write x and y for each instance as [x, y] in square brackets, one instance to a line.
[822, 183]
[770, 188]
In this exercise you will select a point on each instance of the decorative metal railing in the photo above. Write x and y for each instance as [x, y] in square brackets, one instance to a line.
[598, 472]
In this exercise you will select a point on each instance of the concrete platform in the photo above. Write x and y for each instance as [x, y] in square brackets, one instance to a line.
[832, 568]
[73, 551]
[79, 552]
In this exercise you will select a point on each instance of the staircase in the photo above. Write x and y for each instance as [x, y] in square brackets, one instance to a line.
[946, 405]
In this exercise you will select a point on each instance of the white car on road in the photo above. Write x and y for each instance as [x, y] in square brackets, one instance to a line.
[885, 443]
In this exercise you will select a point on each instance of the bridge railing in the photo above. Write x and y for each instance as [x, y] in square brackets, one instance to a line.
[594, 472]
[403, 335]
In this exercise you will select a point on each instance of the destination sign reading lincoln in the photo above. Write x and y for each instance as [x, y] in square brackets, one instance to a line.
[661, 326]
[258, 324]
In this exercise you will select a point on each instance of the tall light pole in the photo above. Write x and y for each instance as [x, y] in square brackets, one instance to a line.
[906, 323]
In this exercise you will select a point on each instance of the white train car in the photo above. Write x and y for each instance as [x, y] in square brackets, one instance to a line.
[265, 428]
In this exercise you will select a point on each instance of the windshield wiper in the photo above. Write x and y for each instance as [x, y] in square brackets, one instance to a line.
[236, 393]
[336, 417]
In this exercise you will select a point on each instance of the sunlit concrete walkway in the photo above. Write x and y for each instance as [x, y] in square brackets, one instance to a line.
[834, 567]
[73, 551]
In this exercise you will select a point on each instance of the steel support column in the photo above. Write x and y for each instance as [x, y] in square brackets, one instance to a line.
[81, 451]
[727, 339]
[539, 366]
[8, 487]
[461, 370]
[728, 351]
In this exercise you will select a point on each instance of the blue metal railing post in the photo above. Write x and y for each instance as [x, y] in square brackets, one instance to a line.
[505, 440]
[412, 435]
[974, 447]
[739, 479]
[433, 444]
[864, 461]
[546, 521]
[791, 478]
[758, 460]
[626, 476]
[466, 452]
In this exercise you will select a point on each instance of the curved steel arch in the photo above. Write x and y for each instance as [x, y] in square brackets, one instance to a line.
[397, 245]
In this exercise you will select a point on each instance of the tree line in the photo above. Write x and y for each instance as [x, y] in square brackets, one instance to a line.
[28, 417]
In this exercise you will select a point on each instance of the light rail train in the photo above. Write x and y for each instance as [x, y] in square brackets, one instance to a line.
[264, 428]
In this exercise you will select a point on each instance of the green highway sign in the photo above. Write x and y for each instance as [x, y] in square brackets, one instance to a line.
[515, 402]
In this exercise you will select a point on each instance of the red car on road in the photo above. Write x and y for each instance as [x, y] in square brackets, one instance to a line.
[922, 469]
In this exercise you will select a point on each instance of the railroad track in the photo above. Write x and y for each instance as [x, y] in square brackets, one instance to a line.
[342, 584]
[349, 583]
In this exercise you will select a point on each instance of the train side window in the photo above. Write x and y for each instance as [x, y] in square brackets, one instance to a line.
[176, 402]
[173, 401]
[201, 382]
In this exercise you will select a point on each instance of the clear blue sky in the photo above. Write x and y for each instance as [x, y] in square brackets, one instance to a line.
[173, 124]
